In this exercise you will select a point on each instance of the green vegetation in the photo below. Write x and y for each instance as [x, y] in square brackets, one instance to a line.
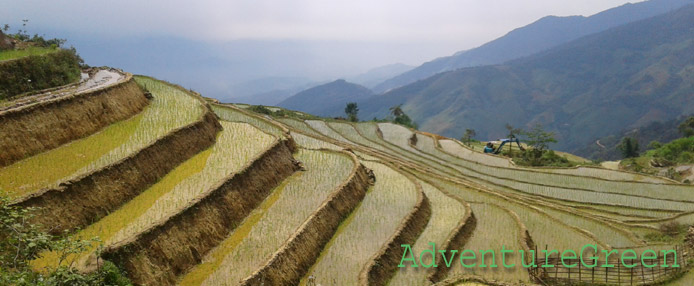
[468, 136]
[538, 153]
[30, 51]
[399, 117]
[680, 151]
[629, 147]
[662, 157]
[21, 241]
[352, 111]
[686, 128]
[35, 72]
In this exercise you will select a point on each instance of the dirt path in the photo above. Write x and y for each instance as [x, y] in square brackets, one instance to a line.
[612, 165]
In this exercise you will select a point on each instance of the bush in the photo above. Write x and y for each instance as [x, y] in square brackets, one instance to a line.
[678, 151]
[22, 241]
[34, 73]
[537, 158]
[672, 228]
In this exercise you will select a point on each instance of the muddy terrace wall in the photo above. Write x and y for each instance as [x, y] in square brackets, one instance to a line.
[42, 126]
[177, 243]
[293, 260]
[80, 202]
[383, 264]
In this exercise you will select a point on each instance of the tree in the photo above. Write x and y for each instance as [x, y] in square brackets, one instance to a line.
[352, 111]
[629, 147]
[512, 132]
[467, 137]
[396, 111]
[402, 118]
[686, 128]
[539, 139]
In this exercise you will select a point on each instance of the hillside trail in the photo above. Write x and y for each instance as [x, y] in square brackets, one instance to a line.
[89, 81]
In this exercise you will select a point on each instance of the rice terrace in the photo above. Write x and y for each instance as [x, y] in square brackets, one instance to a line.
[112, 178]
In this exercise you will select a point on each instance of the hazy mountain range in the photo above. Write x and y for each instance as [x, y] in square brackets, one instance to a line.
[543, 34]
[328, 99]
[592, 87]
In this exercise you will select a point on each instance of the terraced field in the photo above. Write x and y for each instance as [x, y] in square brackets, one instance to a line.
[170, 109]
[285, 201]
[365, 231]
[187, 182]
[265, 230]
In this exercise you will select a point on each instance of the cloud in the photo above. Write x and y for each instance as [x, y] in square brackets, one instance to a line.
[460, 22]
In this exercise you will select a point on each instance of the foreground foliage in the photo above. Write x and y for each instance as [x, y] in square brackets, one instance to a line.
[21, 241]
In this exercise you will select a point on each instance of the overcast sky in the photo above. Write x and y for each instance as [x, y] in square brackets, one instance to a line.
[211, 45]
[457, 24]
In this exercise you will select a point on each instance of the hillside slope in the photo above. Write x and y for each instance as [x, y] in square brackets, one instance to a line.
[595, 86]
[328, 99]
[543, 34]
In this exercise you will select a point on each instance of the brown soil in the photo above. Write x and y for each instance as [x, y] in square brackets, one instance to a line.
[43, 126]
[383, 265]
[84, 200]
[175, 244]
[289, 264]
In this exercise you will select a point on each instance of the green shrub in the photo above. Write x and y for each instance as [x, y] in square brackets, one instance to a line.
[34, 73]
[22, 241]
[679, 151]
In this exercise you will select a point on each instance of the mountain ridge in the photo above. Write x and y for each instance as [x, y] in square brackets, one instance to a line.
[543, 34]
[600, 84]
[327, 99]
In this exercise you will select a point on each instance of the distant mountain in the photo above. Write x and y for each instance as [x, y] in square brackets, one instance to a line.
[379, 74]
[541, 35]
[267, 90]
[328, 99]
[622, 78]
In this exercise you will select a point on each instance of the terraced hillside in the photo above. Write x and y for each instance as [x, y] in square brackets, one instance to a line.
[182, 191]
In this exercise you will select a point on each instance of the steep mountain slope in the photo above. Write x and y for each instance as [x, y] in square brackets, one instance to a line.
[377, 75]
[592, 87]
[661, 131]
[328, 99]
[543, 34]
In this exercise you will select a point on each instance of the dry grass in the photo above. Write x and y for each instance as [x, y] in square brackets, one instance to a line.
[367, 229]
[179, 187]
[264, 231]
[171, 108]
